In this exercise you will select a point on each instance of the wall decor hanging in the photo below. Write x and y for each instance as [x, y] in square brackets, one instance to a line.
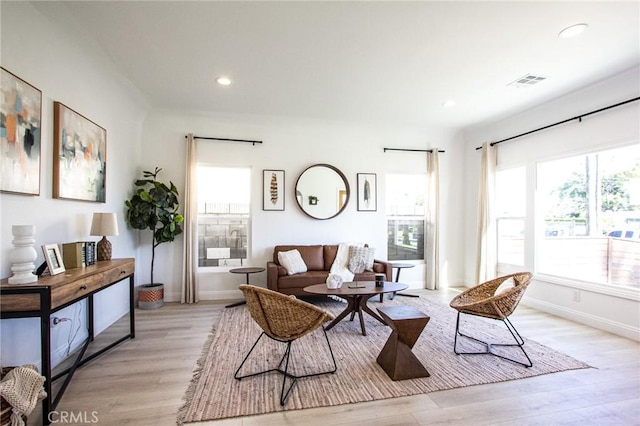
[79, 156]
[273, 190]
[367, 192]
[20, 131]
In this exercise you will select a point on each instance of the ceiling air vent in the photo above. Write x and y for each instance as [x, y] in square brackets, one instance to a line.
[527, 80]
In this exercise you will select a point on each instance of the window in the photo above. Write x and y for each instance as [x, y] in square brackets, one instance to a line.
[510, 202]
[405, 210]
[589, 209]
[223, 215]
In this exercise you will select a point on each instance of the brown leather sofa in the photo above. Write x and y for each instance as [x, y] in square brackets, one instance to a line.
[318, 259]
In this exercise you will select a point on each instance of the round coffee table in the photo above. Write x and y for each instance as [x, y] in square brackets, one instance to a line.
[247, 271]
[356, 298]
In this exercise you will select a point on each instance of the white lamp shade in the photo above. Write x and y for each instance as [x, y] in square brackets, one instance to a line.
[105, 224]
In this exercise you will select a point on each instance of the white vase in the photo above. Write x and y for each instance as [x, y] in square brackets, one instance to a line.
[334, 281]
[23, 255]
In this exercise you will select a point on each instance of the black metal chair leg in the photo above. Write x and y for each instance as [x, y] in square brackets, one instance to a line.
[489, 346]
[285, 373]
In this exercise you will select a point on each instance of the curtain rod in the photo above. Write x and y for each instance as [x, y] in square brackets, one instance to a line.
[577, 117]
[409, 150]
[226, 139]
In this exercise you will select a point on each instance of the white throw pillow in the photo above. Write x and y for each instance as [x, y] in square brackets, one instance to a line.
[292, 262]
[361, 259]
[505, 286]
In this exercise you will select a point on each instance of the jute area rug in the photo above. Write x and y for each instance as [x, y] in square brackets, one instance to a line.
[215, 394]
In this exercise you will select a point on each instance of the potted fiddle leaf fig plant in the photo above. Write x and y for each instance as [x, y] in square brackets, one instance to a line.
[154, 207]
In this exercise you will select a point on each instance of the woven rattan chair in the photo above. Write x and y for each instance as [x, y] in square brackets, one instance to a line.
[483, 300]
[283, 318]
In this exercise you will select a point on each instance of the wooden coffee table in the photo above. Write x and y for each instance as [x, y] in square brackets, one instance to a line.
[356, 298]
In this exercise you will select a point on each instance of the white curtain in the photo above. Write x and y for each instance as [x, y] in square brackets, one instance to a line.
[432, 222]
[486, 261]
[190, 227]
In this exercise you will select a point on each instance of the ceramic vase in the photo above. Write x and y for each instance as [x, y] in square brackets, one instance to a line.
[23, 255]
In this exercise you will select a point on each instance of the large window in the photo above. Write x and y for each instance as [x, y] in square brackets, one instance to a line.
[405, 210]
[588, 217]
[223, 215]
[510, 215]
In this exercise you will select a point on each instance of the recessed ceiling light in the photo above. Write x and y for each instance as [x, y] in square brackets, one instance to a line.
[449, 103]
[572, 31]
[223, 81]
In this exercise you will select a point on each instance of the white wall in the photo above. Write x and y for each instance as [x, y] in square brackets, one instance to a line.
[292, 145]
[66, 68]
[616, 311]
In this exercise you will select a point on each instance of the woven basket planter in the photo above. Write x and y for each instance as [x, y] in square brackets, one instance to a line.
[151, 296]
[5, 407]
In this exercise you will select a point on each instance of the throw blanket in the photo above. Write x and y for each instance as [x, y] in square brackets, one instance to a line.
[22, 388]
[340, 268]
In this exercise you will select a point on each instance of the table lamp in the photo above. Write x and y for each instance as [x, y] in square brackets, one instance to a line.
[105, 224]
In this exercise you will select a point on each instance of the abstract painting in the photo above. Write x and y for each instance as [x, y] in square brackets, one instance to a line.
[367, 192]
[273, 190]
[20, 129]
[79, 156]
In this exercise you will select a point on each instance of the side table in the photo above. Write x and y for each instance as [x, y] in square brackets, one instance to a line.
[396, 357]
[399, 267]
[247, 271]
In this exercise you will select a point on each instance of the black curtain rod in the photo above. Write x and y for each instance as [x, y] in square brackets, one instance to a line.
[577, 117]
[409, 150]
[226, 139]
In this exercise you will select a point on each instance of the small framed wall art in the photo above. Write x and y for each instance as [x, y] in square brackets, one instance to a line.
[367, 192]
[53, 258]
[79, 156]
[273, 190]
[20, 131]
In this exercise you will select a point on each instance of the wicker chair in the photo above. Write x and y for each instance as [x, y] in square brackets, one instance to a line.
[283, 318]
[483, 300]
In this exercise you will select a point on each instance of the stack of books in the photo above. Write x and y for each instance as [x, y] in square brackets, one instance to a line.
[79, 254]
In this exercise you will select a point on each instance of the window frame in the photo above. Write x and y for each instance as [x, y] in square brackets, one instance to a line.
[422, 218]
[244, 261]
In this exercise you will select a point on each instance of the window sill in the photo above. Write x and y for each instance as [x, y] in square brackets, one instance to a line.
[622, 292]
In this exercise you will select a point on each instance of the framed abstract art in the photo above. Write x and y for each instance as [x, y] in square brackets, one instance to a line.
[79, 156]
[20, 130]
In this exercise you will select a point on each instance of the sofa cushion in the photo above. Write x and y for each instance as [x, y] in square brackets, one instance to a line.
[312, 255]
[292, 262]
[302, 280]
[330, 253]
[361, 259]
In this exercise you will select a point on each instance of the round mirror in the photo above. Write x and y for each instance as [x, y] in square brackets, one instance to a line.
[322, 191]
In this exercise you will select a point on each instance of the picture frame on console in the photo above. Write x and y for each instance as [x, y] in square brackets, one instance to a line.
[79, 142]
[273, 190]
[53, 258]
[367, 192]
[20, 135]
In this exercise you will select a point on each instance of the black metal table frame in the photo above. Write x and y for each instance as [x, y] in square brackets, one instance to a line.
[243, 302]
[50, 403]
[399, 268]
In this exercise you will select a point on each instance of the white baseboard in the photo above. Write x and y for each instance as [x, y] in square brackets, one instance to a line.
[207, 295]
[605, 324]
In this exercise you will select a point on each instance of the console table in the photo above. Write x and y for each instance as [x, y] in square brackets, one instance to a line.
[52, 293]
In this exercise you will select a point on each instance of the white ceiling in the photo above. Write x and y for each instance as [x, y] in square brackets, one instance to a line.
[389, 62]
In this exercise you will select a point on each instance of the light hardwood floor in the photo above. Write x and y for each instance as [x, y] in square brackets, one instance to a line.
[142, 381]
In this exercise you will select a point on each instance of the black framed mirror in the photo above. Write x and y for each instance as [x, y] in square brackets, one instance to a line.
[322, 191]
